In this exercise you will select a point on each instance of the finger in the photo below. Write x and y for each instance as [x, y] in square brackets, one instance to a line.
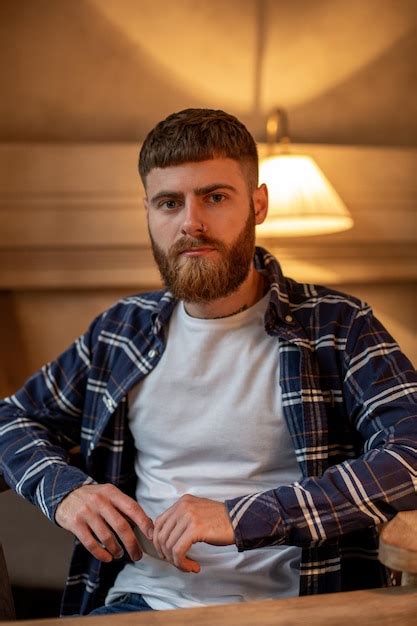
[161, 534]
[131, 509]
[86, 537]
[179, 552]
[172, 539]
[106, 538]
[123, 530]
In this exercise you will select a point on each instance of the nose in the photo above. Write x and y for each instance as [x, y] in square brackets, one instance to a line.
[193, 222]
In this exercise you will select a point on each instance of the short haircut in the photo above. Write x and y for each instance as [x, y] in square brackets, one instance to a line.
[198, 135]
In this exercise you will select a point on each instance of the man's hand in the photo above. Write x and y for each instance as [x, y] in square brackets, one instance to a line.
[97, 514]
[189, 521]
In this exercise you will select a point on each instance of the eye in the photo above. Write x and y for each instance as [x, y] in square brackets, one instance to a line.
[216, 198]
[169, 205]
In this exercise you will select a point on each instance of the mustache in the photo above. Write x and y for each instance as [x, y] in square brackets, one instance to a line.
[188, 243]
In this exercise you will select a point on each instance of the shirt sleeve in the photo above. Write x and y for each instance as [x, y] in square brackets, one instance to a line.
[380, 391]
[41, 423]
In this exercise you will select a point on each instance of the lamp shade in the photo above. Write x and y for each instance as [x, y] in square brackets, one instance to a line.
[301, 199]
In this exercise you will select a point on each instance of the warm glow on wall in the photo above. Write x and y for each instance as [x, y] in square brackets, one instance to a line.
[301, 199]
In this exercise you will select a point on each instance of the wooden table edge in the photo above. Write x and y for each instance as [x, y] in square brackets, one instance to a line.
[372, 606]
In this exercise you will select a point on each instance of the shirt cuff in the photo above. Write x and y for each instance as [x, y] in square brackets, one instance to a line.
[256, 521]
[74, 478]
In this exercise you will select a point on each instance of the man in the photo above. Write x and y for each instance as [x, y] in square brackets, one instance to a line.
[238, 426]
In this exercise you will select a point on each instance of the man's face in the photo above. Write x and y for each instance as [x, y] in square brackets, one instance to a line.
[201, 221]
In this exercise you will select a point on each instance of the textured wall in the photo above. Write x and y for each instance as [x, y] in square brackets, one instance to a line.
[107, 70]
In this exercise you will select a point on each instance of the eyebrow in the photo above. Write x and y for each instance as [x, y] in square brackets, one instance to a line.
[166, 194]
[199, 191]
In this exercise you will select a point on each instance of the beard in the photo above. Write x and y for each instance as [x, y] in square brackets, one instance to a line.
[202, 279]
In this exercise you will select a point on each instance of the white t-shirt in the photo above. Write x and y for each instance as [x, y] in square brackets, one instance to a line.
[208, 421]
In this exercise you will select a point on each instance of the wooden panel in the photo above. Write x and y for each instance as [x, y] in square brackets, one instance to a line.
[36, 170]
[134, 268]
[69, 228]
[339, 263]
[123, 223]
[71, 215]
[394, 304]
[44, 323]
[14, 351]
[45, 169]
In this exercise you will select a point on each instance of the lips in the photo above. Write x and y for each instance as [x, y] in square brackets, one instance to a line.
[197, 251]
[188, 247]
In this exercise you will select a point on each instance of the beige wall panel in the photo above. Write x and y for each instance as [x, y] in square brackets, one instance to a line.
[84, 174]
[132, 268]
[13, 353]
[72, 216]
[344, 269]
[126, 227]
[42, 324]
[73, 228]
[42, 171]
[395, 305]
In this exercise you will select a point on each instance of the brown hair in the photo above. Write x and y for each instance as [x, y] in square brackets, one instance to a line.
[199, 135]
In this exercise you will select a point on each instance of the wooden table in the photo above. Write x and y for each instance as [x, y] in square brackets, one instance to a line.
[396, 606]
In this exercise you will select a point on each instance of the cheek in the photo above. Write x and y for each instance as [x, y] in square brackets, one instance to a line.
[163, 229]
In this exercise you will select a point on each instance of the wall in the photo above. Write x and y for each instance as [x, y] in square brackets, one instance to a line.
[94, 70]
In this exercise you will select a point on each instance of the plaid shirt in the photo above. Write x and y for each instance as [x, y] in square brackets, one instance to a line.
[349, 400]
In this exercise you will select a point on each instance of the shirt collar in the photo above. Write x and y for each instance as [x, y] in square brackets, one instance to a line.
[279, 317]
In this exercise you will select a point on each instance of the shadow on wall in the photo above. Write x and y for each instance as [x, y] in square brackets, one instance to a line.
[94, 85]
[352, 108]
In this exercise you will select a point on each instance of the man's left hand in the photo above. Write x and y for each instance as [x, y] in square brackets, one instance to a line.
[188, 521]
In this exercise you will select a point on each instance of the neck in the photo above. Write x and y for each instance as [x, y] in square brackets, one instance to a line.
[249, 292]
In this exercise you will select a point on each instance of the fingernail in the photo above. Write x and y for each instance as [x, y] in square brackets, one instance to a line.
[119, 555]
[149, 533]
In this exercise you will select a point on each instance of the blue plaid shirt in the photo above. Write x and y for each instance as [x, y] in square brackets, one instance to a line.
[349, 400]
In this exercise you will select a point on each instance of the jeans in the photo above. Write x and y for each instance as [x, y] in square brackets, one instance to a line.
[127, 603]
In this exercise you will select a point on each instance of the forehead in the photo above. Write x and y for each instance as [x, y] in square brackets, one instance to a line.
[187, 176]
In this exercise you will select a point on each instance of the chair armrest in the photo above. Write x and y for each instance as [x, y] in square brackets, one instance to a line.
[398, 545]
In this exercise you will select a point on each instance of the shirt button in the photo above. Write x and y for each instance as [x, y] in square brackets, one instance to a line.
[152, 353]
[289, 318]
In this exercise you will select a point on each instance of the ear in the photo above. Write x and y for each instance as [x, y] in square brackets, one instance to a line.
[260, 202]
[145, 204]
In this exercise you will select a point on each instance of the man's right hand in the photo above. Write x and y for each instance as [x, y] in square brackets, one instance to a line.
[102, 515]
